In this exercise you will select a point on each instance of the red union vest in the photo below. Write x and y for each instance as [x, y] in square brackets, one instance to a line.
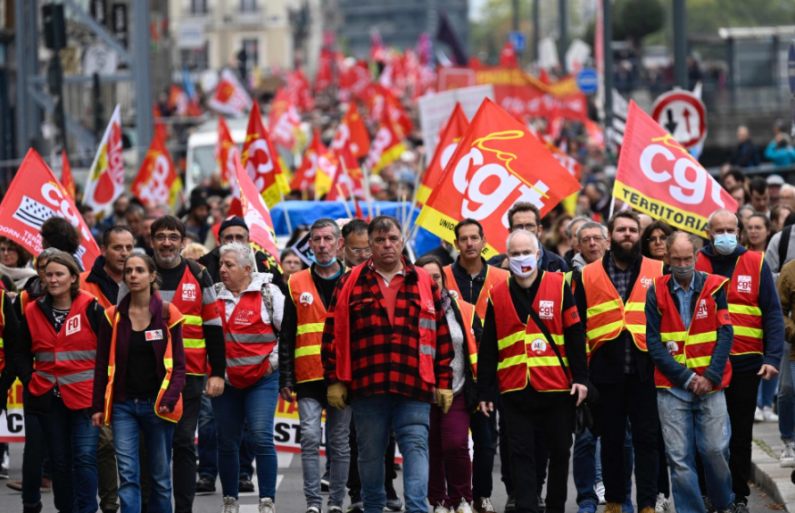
[188, 300]
[66, 357]
[311, 319]
[174, 318]
[607, 315]
[249, 341]
[692, 347]
[468, 316]
[742, 294]
[524, 350]
[494, 275]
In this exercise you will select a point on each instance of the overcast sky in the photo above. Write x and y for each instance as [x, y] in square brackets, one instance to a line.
[474, 8]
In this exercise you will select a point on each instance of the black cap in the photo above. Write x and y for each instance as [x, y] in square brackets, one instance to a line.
[232, 221]
[198, 198]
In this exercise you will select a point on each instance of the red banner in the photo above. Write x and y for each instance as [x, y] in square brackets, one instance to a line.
[658, 177]
[497, 163]
[352, 130]
[261, 160]
[34, 196]
[226, 151]
[157, 182]
[451, 135]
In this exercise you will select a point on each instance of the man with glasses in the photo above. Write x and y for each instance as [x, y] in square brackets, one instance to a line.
[526, 216]
[301, 370]
[357, 246]
[188, 286]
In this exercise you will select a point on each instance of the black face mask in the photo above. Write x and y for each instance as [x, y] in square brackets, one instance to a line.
[623, 255]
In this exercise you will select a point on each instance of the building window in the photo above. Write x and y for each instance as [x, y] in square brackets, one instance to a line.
[248, 5]
[198, 6]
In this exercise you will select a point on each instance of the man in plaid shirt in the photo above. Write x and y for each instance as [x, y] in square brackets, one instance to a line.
[387, 349]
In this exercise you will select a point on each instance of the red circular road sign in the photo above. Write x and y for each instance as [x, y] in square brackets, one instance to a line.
[684, 116]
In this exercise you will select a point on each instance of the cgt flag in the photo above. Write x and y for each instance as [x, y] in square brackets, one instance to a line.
[226, 151]
[386, 148]
[658, 177]
[352, 130]
[248, 204]
[105, 180]
[349, 177]
[230, 96]
[497, 163]
[261, 161]
[157, 182]
[448, 141]
[34, 196]
[283, 120]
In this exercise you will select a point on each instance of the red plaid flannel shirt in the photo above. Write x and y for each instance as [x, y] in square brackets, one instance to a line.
[385, 358]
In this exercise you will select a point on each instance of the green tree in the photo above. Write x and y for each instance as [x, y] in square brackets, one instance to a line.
[636, 19]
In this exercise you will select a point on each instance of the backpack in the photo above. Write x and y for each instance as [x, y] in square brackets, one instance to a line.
[783, 246]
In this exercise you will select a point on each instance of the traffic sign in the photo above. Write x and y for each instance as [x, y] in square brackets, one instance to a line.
[587, 80]
[517, 40]
[791, 67]
[684, 116]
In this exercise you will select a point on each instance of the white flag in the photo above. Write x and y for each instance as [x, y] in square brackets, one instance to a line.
[105, 180]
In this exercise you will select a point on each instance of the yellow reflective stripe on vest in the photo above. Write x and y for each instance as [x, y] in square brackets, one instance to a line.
[307, 351]
[513, 360]
[743, 309]
[604, 307]
[546, 361]
[1, 343]
[703, 338]
[637, 329]
[312, 327]
[193, 343]
[634, 307]
[680, 358]
[193, 320]
[558, 339]
[676, 336]
[702, 361]
[510, 340]
[748, 332]
[604, 330]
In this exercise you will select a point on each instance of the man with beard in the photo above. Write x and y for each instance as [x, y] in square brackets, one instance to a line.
[611, 296]
[188, 286]
[755, 311]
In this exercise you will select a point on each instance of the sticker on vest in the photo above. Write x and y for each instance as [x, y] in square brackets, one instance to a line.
[702, 310]
[153, 335]
[242, 318]
[744, 284]
[453, 294]
[306, 299]
[189, 292]
[538, 346]
[73, 325]
[672, 346]
[429, 307]
[546, 309]
[646, 282]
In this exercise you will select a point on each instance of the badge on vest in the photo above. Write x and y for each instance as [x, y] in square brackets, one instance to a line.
[73, 325]
[538, 346]
[153, 335]
[646, 282]
[744, 284]
[702, 310]
[189, 292]
[242, 318]
[429, 307]
[306, 299]
[453, 294]
[546, 309]
[672, 346]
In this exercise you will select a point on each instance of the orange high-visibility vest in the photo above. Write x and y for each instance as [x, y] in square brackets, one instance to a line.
[188, 300]
[94, 290]
[174, 317]
[494, 275]
[468, 316]
[66, 357]
[524, 351]
[692, 347]
[607, 315]
[742, 294]
[311, 318]
[249, 341]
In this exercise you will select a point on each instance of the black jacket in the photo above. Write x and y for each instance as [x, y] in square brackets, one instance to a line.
[607, 362]
[265, 264]
[98, 275]
[10, 343]
[442, 254]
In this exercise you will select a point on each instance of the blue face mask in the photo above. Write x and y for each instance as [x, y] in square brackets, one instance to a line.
[332, 262]
[725, 243]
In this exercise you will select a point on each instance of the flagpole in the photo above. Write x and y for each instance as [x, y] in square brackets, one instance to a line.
[286, 214]
[344, 202]
[367, 198]
[417, 180]
[612, 207]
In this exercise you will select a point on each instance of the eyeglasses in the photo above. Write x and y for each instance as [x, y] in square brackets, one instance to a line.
[655, 240]
[588, 240]
[235, 238]
[361, 251]
[162, 237]
[528, 227]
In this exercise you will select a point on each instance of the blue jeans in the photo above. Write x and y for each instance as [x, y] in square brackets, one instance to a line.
[786, 399]
[72, 445]
[374, 415]
[766, 393]
[338, 424]
[255, 406]
[208, 446]
[129, 419]
[586, 467]
[702, 424]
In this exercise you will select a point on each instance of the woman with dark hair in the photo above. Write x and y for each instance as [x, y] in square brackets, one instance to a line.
[56, 364]
[778, 216]
[139, 375]
[556, 240]
[652, 241]
[291, 264]
[14, 265]
[758, 232]
[450, 475]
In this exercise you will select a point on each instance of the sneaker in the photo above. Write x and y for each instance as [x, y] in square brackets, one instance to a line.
[46, 485]
[266, 506]
[708, 507]
[464, 507]
[662, 504]
[244, 485]
[15, 485]
[205, 486]
[334, 509]
[3, 472]
[324, 483]
[740, 508]
[32, 509]
[758, 415]
[231, 505]
[612, 507]
[510, 504]
[541, 504]
[769, 415]
[787, 458]
[587, 507]
[357, 506]
[393, 502]
[627, 507]
[599, 488]
[484, 505]
[441, 508]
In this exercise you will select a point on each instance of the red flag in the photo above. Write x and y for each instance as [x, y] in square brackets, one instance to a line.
[34, 196]
[508, 56]
[386, 148]
[359, 212]
[352, 130]
[248, 204]
[300, 92]
[349, 177]
[226, 151]
[305, 175]
[230, 97]
[283, 120]
[177, 100]
[325, 72]
[262, 162]
[452, 133]
[497, 163]
[67, 180]
[658, 177]
[157, 182]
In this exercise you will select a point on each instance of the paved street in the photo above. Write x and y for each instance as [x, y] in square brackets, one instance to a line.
[289, 493]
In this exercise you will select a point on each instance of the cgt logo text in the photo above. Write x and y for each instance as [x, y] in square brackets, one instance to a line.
[646, 282]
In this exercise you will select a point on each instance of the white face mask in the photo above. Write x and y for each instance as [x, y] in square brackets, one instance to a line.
[524, 265]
